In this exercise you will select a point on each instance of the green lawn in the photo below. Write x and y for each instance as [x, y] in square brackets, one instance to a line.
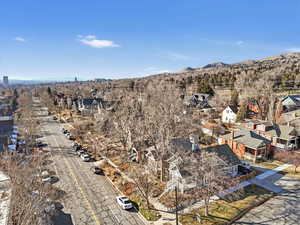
[222, 211]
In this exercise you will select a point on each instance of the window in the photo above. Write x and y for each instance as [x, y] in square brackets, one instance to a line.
[281, 141]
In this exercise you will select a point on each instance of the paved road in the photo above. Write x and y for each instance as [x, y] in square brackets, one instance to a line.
[90, 198]
[283, 209]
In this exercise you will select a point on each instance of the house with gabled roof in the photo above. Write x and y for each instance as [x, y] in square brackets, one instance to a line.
[229, 114]
[247, 144]
[281, 136]
[290, 102]
[89, 106]
[197, 100]
[181, 170]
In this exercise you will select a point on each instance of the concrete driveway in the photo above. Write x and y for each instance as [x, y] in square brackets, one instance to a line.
[283, 209]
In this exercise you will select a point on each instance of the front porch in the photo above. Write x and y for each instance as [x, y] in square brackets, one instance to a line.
[287, 144]
[255, 154]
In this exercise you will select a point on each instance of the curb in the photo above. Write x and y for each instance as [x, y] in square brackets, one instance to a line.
[138, 213]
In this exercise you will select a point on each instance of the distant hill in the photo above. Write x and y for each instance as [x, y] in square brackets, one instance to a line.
[219, 74]
[213, 65]
[26, 82]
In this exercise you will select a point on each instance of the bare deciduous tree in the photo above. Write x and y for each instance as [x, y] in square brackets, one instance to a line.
[211, 176]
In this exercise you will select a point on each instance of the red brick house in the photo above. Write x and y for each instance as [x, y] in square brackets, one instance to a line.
[247, 144]
[281, 136]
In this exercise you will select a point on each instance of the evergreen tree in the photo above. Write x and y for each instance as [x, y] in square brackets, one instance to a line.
[203, 87]
[234, 99]
[49, 91]
[242, 113]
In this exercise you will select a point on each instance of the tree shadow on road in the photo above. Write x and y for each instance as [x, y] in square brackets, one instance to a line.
[62, 218]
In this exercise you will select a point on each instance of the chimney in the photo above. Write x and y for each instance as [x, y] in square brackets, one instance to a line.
[232, 137]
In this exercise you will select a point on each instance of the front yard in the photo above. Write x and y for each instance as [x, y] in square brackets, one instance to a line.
[224, 211]
[290, 171]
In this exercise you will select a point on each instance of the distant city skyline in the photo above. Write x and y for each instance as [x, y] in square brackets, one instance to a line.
[58, 40]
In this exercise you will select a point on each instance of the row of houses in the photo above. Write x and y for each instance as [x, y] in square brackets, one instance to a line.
[86, 106]
[251, 140]
[289, 103]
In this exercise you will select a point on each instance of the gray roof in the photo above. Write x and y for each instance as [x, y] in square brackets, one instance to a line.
[294, 98]
[283, 132]
[89, 101]
[233, 108]
[225, 153]
[248, 138]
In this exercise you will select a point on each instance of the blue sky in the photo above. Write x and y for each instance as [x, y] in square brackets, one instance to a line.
[61, 39]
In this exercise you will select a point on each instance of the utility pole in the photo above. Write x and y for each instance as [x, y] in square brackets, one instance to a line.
[176, 202]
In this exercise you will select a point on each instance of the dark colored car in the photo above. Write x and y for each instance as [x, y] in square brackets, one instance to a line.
[97, 170]
[54, 118]
[40, 144]
[71, 137]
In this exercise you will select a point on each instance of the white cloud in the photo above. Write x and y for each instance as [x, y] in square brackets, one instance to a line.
[90, 37]
[240, 42]
[19, 39]
[154, 70]
[296, 49]
[92, 41]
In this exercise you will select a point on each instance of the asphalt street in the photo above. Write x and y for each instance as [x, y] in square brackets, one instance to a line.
[90, 198]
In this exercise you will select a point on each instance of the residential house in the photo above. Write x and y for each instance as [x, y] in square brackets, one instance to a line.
[229, 114]
[290, 102]
[181, 171]
[198, 100]
[212, 128]
[89, 106]
[153, 163]
[247, 144]
[281, 136]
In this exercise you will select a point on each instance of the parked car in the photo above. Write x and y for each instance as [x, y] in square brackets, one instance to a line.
[40, 144]
[80, 152]
[85, 157]
[75, 144]
[97, 170]
[48, 179]
[54, 118]
[71, 137]
[124, 202]
[65, 131]
[76, 148]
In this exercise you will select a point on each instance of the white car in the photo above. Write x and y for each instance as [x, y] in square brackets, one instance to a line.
[124, 202]
[85, 157]
[246, 164]
[49, 180]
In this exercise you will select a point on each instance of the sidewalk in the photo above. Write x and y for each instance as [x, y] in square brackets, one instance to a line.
[258, 180]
